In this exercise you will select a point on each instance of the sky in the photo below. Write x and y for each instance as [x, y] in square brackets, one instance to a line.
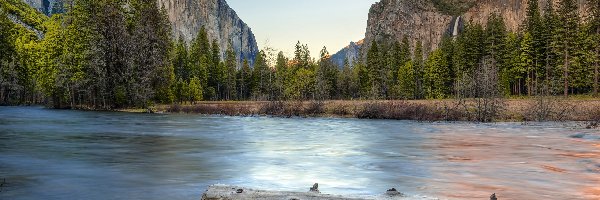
[280, 24]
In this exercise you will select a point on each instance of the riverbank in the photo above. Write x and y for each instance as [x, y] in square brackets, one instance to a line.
[512, 110]
[225, 192]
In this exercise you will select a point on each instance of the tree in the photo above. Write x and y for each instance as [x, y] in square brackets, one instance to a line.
[526, 60]
[215, 76]
[437, 76]
[594, 27]
[260, 77]
[326, 77]
[243, 79]
[180, 60]
[230, 73]
[534, 26]
[550, 23]
[419, 68]
[406, 87]
[565, 38]
[195, 90]
[281, 75]
[153, 71]
[374, 71]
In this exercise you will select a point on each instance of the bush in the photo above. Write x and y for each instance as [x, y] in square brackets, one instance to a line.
[314, 108]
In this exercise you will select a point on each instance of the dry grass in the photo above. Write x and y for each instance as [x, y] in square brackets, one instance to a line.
[422, 110]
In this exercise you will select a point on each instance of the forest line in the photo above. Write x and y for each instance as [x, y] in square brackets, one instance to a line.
[116, 54]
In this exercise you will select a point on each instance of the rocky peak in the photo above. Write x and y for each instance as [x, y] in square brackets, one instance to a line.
[221, 22]
[349, 53]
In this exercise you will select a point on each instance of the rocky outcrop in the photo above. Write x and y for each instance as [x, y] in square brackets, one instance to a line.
[18, 21]
[188, 16]
[220, 21]
[40, 5]
[349, 53]
[429, 20]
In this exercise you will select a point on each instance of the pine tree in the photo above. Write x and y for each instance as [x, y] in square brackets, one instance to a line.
[406, 81]
[526, 59]
[244, 80]
[495, 34]
[419, 68]
[180, 60]
[594, 25]
[374, 68]
[195, 90]
[550, 23]
[230, 73]
[437, 76]
[534, 26]
[281, 75]
[565, 38]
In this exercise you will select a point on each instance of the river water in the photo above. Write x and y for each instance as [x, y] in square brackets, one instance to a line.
[63, 154]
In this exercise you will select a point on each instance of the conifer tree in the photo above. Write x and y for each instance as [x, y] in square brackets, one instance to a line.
[594, 27]
[565, 39]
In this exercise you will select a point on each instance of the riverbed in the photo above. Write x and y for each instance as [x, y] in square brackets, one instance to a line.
[66, 154]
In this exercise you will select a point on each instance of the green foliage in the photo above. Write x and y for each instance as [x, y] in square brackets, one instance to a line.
[25, 13]
[437, 76]
[406, 87]
[112, 54]
[195, 90]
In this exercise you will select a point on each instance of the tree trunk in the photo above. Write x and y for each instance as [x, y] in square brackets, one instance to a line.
[566, 73]
[596, 75]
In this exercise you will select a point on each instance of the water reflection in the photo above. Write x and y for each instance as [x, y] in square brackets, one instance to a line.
[54, 154]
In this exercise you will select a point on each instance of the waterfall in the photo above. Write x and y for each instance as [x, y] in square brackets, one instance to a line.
[456, 23]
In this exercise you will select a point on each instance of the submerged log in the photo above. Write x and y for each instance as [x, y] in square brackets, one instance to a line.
[225, 192]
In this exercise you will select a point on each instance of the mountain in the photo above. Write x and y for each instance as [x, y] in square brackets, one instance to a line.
[220, 21]
[188, 16]
[349, 53]
[40, 5]
[429, 20]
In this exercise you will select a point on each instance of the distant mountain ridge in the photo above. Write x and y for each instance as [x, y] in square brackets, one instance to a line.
[349, 53]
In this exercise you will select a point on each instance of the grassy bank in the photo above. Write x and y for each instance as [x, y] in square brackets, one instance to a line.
[550, 109]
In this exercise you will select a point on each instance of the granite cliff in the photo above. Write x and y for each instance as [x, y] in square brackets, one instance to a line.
[429, 20]
[188, 16]
[221, 23]
[349, 53]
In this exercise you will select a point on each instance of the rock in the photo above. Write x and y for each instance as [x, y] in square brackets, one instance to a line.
[493, 197]
[393, 192]
[315, 188]
[239, 191]
[221, 22]
[188, 16]
[425, 20]
[349, 53]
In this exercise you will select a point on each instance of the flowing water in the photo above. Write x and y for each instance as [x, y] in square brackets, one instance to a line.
[59, 154]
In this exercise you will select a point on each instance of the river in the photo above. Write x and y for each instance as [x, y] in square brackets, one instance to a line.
[65, 154]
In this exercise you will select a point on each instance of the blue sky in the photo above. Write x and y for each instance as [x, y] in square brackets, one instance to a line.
[281, 23]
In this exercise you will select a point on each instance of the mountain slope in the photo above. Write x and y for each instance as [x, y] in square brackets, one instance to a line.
[188, 16]
[221, 23]
[349, 53]
[428, 20]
